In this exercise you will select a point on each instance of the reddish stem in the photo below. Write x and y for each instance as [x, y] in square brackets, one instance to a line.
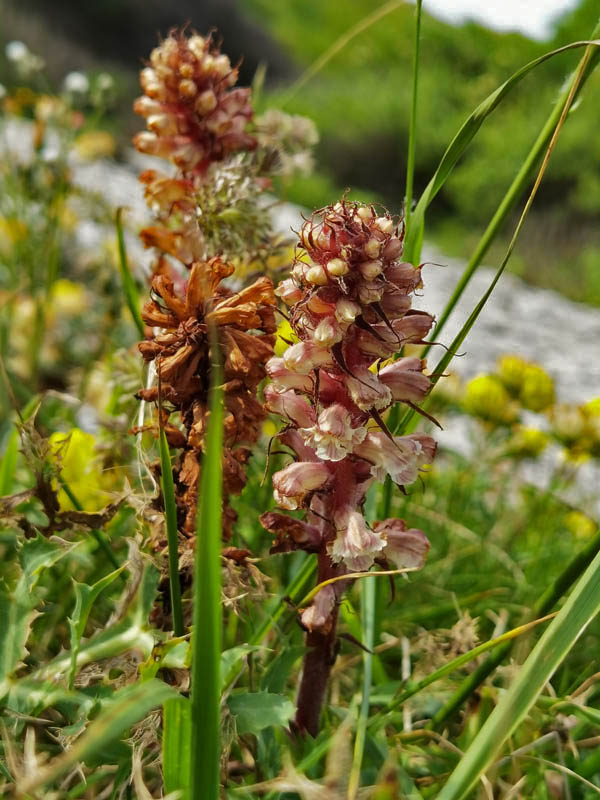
[320, 657]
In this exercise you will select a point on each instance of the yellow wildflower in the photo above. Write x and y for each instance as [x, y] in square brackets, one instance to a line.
[580, 525]
[537, 388]
[486, 397]
[80, 470]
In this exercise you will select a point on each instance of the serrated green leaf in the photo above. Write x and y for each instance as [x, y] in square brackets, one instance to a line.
[127, 707]
[18, 603]
[85, 597]
[231, 657]
[133, 631]
[177, 745]
[254, 711]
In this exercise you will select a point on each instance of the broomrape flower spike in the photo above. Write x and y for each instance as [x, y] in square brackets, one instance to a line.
[349, 294]
[197, 120]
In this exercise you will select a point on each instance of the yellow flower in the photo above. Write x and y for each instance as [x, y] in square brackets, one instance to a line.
[511, 371]
[528, 442]
[284, 332]
[486, 397]
[11, 232]
[537, 388]
[68, 298]
[80, 470]
[95, 144]
[580, 525]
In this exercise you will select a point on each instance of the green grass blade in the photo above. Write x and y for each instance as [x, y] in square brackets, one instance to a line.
[415, 687]
[544, 605]
[129, 287]
[510, 199]
[206, 638]
[412, 130]
[128, 706]
[368, 602]
[580, 608]
[592, 53]
[176, 745]
[457, 147]
[337, 47]
[168, 490]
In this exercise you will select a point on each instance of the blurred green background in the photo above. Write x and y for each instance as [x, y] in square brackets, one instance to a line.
[360, 103]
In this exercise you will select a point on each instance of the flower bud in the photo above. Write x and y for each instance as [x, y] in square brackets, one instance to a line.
[337, 267]
[317, 275]
[372, 248]
[370, 269]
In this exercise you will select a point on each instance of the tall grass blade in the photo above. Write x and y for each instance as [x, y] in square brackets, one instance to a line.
[592, 53]
[177, 745]
[510, 199]
[168, 490]
[129, 287]
[456, 148]
[545, 604]
[580, 608]
[412, 130]
[337, 47]
[206, 638]
[368, 604]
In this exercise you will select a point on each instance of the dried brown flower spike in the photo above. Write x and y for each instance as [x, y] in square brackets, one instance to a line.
[245, 323]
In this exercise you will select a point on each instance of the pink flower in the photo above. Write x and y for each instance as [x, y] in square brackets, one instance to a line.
[406, 548]
[367, 391]
[293, 483]
[400, 458]
[294, 407]
[318, 612]
[333, 437]
[406, 380]
[355, 543]
[284, 378]
[305, 356]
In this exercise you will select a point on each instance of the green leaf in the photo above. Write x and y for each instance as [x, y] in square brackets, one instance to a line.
[129, 287]
[18, 603]
[177, 745]
[578, 611]
[206, 637]
[133, 631]
[128, 706]
[231, 657]
[85, 597]
[277, 673]
[458, 145]
[8, 464]
[255, 711]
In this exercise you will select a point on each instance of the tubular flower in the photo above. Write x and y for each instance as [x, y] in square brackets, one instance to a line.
[178, 343]
[350, 309]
